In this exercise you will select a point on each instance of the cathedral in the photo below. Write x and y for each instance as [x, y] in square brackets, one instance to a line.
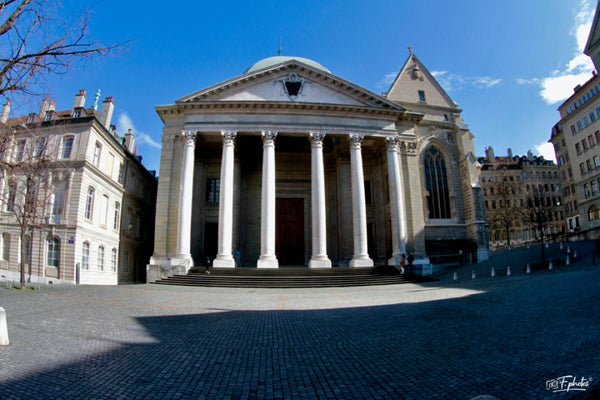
[289, 164]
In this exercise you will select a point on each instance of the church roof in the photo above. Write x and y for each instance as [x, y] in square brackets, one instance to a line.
[270, 61]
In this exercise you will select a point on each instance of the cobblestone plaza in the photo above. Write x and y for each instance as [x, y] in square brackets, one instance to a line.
[502, 336]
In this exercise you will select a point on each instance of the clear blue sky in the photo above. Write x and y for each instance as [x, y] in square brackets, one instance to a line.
[506, 63]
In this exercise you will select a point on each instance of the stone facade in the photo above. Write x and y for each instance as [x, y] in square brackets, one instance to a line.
[95, 199]
[292, 165]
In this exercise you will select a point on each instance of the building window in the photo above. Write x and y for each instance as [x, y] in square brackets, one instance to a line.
[48, 116]
[113, 260]
[53, 251]
[38, 148]
[59, 201]
[97, 152]
[85, 256]
[591, 140]
[212, 190]
[573, 130]
[584, 145]
[421, 95]
[116, 218]
[100, 258]
[11, 197]
[20, 151]
[593, 213]
[67, 147]
[582, 168]
[89, 203]
[592, 117]
[593, 188]
[577, 148]
[77, 113]
[586, 121]
[586, 191]
[436, 184]
[6, 246]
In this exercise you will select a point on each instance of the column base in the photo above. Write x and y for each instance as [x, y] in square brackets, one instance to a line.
[224, 262]
[319, 263]
[395, 261]
[361, 262]
[267, 262]
[164, 268]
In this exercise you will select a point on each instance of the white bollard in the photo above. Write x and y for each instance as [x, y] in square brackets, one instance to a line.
[493, 272]
[528, 270]
[575, 254]
[561, 246]
[550, 266]
[568, 249]
[473, 276]
[528, 246]
[3, 329]
[547, 245]
[568, 260]
[508, 270]
[455, 277]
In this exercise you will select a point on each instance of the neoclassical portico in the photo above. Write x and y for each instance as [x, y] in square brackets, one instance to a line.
[286, 165]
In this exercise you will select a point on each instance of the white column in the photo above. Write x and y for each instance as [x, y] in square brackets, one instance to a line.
[224, 255]
[359, 209]
[268, 259]
[319, 257]
[184, 222]
[396, 202]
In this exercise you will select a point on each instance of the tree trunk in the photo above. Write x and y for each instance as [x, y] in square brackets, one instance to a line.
[23, 252]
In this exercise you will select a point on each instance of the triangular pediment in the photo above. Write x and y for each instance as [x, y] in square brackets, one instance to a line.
[414, 78]
[293, 82]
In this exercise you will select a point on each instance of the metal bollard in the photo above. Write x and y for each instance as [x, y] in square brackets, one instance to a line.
[550, 266]
[3, 330]
[455, 277]
[575, 254]
[473, 275]
[493, 272]
[508, 270]
[568, 260]
[528, 270]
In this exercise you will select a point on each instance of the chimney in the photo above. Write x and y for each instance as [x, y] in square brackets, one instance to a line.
[5, 111]
[44, 108]
[489, 154]
[106, 111]
[129, 141]
[79, 100]
[52, 105]
[510, 153]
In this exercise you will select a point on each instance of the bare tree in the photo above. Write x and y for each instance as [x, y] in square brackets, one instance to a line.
[34, 43]
[507, 212]
[538, 212]
[24, 162]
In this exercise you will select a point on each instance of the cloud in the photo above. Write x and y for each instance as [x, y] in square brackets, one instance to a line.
[546, 150]
[559, 85]
[388, 79]
[486, 81]
[453, 82]
[126, 123]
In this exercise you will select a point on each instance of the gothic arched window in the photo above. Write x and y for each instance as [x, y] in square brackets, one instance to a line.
[436, 183]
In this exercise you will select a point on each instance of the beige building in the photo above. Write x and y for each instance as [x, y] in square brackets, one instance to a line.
[289, 164]
[576, 140]
[507, 181]
[93, 197]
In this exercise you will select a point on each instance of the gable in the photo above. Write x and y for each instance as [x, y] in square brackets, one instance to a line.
[292, 82]
[414, 78]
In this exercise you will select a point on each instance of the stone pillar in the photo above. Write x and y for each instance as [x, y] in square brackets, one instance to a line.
[396, 202]
[224, 254]
[319, 257]
[268, 259]
[359, 209]
[184, 221]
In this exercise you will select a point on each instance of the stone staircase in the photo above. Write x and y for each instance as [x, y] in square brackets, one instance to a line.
[289, 277]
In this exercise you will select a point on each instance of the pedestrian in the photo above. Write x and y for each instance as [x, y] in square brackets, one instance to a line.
[410, 260]
[207, 264]
[597, 248]
[402, 262]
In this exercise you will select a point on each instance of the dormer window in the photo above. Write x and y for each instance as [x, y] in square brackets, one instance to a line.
[48, 116]
[77, 113]
[30, 118]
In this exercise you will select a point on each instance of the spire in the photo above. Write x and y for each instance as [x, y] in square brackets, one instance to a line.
[95, 105]
[410, 49]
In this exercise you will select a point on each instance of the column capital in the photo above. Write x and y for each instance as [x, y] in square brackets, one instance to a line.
[268, 136]
[228, 137]
[189, 137]
[356, 139]
[392, 143]
[316, 139]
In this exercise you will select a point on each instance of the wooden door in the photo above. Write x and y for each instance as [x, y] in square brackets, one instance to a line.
[289, 239]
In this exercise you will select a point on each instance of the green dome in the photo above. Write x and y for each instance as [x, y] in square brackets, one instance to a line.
[270, 61]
